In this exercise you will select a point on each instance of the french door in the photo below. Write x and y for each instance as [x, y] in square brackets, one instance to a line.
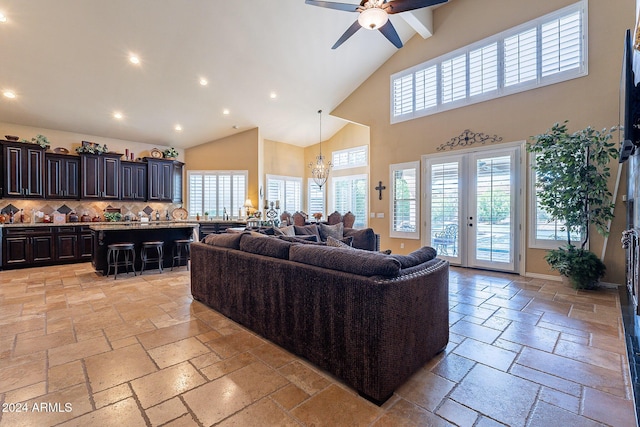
[472, 207]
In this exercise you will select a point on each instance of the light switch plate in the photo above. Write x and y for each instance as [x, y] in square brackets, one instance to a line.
[380, 215]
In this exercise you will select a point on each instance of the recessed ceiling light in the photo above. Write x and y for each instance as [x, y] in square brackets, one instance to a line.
[203, 81]
[226, 112]
[117, 115]
[134, 59]
[3, 17]
[178, 128]
[273, 95]
[9, 94]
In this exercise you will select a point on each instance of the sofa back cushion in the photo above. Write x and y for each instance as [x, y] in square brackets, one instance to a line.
[268, 246]
[363, 263]
[225, 240]
[424, 254]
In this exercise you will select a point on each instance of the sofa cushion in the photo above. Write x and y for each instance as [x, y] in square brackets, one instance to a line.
[285, 231]
[336, 231]
[225, 240]
[424, 254]
[305, 230]
[340, 243]
[363, 263]
[267, 246]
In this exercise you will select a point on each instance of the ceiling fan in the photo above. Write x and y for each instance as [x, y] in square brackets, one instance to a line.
[374, 15]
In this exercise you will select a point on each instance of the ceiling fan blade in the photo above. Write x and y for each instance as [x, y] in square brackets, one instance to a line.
[331, 5]
[397, 6]
[350, 31]
[389, 31]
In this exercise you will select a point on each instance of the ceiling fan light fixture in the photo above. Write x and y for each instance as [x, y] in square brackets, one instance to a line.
[373, 18]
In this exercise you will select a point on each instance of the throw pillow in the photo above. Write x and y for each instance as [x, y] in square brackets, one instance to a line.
[305, 230]
[300, 239]
[338, 243]
[287, 231]
[336, 231]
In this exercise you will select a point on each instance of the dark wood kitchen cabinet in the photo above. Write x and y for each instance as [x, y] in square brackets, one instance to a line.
[100, 176]
[63, 176]
[27, 246]
[133, 177]
[164, 180]
[23, 166]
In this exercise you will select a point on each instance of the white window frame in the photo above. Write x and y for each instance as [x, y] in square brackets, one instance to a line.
[405, 81]
[534, 241]
[232, 212]
[416, 190]
[310, 188]
[365, 215]
[349, 152]
[283, 205]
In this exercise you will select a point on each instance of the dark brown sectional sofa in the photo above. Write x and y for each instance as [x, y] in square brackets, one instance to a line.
[369, 318]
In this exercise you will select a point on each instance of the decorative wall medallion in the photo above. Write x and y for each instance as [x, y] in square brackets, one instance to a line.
[468, 138]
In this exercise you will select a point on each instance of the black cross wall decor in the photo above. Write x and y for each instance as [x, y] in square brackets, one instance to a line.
[380, 187]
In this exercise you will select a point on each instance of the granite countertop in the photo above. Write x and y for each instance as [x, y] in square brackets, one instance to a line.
[121, 225]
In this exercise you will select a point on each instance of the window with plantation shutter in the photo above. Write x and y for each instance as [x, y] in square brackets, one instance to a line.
[350, 194]
[287, 190]
[405, 193]
[544, 51]
[426, 88]
[216, 192]
[483, 69]
[316, 198]
[454, 79]
[349, 158]
[403, 95]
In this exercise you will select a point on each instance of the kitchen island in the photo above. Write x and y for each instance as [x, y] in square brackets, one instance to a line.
[105, 234]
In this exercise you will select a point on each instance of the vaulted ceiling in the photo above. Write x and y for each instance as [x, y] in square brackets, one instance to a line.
[267, 63]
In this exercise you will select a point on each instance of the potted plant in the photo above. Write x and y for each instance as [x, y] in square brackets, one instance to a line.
[170, 153]
[572, 176]
[41, 140]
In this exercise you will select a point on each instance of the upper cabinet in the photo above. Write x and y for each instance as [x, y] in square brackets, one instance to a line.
[23, 166]
[133, 178]
[164, 180]
[63, 176]
[100, 176]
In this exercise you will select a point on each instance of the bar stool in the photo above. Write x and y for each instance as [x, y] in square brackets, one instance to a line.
[181, 252]
[114, 260]
[145, 255]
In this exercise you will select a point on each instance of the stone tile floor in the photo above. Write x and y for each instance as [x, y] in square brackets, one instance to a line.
[78, 349]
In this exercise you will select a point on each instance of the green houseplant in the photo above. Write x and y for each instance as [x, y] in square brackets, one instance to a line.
[572, 175]
[170, 153]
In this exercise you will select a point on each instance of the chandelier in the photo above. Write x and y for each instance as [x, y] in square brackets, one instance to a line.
[320, 170]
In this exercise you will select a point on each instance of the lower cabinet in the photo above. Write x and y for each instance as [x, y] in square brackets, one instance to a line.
[34, 246]
[25, 247]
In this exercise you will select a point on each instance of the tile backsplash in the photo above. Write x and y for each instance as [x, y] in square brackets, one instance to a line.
[81, 207]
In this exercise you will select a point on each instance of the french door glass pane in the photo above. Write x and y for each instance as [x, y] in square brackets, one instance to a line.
[445, 193]
[493, 209]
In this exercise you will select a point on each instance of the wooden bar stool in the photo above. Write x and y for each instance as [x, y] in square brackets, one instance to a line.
[147, 257]
[115, 260]
[181, 252]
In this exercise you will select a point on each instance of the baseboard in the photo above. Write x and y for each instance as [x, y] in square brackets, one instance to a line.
[543, 276]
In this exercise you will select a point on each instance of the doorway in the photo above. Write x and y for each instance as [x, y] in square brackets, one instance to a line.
[472, 207]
